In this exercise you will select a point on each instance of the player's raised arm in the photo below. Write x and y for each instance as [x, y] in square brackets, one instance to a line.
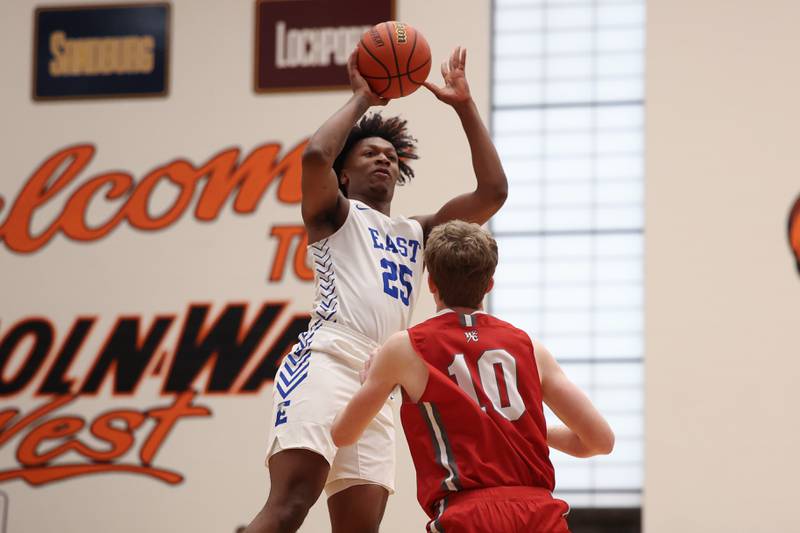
[322, 202]
[395, 363]
[492, 187]
[586, 432]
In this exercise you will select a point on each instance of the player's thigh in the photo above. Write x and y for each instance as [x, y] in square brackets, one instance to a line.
[358, 509]
[306, 399]
[297, 477]
[371, 459]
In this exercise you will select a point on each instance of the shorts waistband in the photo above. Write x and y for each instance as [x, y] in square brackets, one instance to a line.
[499, 493]
[368, 344]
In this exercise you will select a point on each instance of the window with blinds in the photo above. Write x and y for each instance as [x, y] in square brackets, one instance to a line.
[567, 120]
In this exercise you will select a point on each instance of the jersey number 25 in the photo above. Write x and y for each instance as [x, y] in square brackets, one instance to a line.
[390, 279]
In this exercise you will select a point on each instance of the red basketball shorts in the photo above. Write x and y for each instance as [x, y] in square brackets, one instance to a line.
[501, 509]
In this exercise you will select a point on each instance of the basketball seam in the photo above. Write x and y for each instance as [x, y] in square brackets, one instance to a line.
[390, 76]
[410, 56]
[427, 61]
[378, 61]
[396, 62]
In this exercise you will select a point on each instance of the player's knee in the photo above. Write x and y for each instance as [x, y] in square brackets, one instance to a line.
[360, 527]
[289, 514]
[357, 523]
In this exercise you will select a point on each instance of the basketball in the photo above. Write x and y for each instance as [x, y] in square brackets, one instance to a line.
[394, 58]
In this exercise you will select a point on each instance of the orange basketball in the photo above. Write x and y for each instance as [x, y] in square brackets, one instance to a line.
[394, 58]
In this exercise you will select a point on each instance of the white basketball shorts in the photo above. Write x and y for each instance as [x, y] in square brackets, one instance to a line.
[313, 384]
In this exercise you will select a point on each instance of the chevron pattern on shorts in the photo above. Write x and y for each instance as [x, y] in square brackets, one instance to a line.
[294, 369]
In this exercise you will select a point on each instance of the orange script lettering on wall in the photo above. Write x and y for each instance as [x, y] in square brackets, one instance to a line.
[218, 178]
[37, 467]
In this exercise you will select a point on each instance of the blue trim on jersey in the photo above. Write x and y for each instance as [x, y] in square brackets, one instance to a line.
[294, 369]
[323, 265]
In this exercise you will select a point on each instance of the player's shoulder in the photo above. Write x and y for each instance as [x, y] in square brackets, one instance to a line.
[500, 324]
[411, 222]
[394, 222]
[436, 320]
[399, 349]
[499, 330]
[425, 334]
[397, 339]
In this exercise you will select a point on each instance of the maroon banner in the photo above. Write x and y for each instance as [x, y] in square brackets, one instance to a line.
[304, 44]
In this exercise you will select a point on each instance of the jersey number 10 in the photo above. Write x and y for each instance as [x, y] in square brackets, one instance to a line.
[495, 369]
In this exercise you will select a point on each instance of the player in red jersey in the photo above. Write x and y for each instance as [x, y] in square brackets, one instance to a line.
[473, 388]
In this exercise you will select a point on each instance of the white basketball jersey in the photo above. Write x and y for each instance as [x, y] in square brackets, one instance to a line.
[367, 274]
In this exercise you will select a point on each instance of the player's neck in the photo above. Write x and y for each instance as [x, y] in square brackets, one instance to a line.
[458, 309]
[384, 207]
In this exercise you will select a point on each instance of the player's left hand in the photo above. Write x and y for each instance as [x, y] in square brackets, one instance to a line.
[360, 85]
[456, 88]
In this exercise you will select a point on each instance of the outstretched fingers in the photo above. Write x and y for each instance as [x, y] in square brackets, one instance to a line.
[454, 58]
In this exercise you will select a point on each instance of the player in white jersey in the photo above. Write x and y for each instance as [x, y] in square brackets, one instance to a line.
[368, 267]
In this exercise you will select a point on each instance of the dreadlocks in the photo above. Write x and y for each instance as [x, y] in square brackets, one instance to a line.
[391, 129]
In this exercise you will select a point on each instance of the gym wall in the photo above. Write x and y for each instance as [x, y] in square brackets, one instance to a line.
[225, 262]
[722, 286]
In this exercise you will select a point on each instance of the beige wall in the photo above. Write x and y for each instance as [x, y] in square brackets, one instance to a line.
[723, 168]
[210, 107]
[722, 293]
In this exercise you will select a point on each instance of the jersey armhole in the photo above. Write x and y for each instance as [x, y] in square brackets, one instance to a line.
[421, 240]
[421, 228]
[535, 359]
[418, 353]
[339, 229]
[424, 396]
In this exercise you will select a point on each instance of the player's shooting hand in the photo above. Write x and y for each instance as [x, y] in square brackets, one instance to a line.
[360, 85]
[456, 89]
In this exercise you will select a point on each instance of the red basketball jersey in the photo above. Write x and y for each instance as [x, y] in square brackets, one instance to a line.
[479, 422]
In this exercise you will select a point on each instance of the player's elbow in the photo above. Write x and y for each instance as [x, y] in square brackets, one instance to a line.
[497, 193]
[501, 190]
[316, 155]
[603, 443]
[341, 437]
[607, 445]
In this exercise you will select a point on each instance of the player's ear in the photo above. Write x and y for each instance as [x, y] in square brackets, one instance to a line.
[431, 285]
[491, 285]
[344, 180]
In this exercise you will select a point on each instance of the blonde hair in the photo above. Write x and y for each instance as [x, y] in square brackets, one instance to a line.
[461, 258]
